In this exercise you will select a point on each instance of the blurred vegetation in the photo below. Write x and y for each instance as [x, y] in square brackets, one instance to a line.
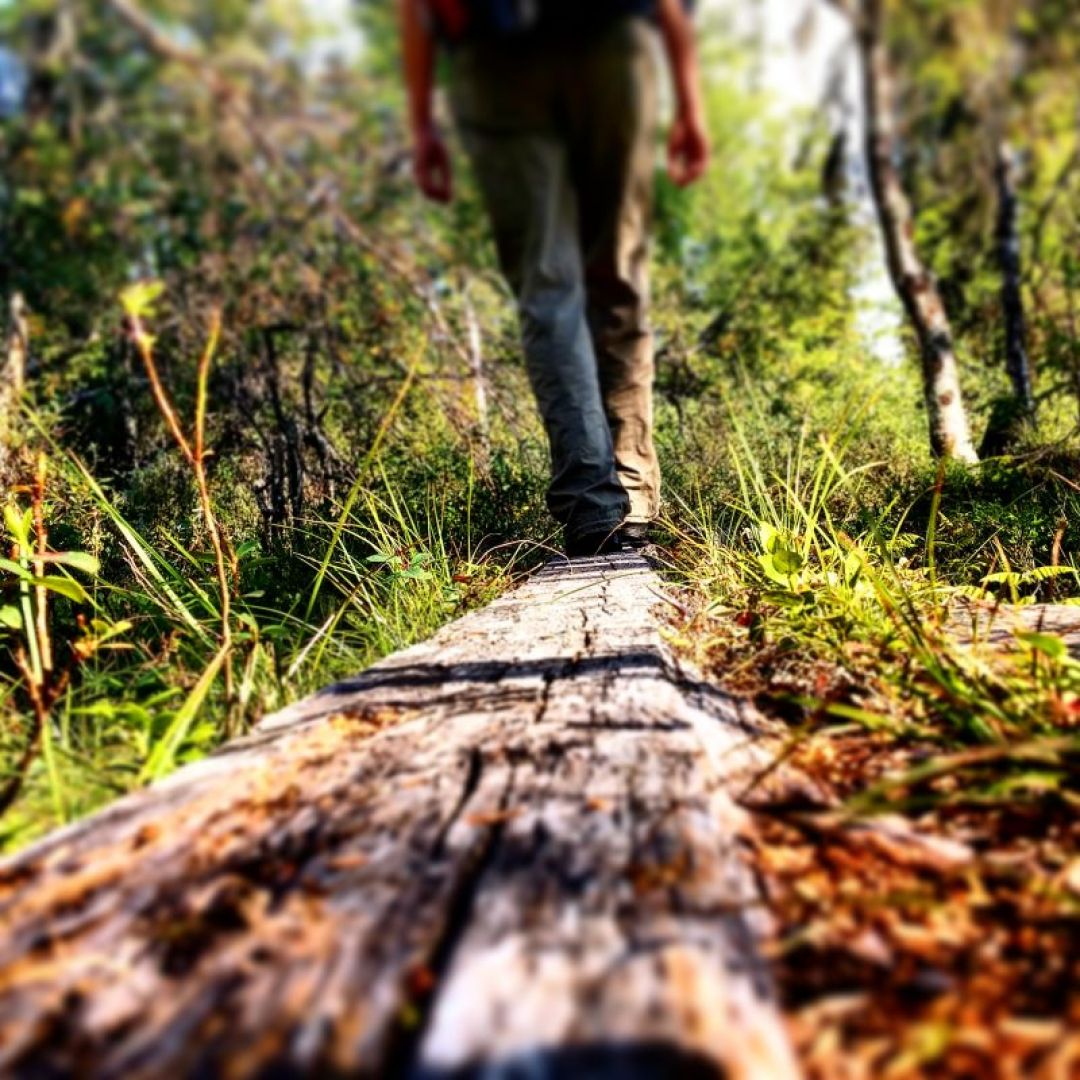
[372, 462]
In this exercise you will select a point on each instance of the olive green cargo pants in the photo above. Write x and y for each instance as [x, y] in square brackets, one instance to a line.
[562, 134]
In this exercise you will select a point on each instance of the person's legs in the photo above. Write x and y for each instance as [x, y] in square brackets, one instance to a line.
[612, 103]
[521, 164]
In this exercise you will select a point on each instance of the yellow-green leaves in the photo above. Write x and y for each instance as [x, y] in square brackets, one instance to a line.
[780, 561]
[138, 299]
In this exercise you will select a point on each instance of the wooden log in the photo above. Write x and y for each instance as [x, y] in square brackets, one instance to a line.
[997, 625]
[509, 850]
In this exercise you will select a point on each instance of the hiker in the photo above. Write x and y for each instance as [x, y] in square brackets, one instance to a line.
[556, 104]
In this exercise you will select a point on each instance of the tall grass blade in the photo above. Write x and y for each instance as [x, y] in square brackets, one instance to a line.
[141, 550]
[163, 755]
[361, 472]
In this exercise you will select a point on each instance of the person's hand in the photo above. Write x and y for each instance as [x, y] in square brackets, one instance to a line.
[431, 165]
[688, 148]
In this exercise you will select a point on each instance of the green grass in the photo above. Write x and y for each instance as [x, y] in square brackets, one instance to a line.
[143, 656]
[826, 554]
[818, 595]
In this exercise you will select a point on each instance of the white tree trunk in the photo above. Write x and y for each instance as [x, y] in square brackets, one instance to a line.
[950, 434]
[12, 378]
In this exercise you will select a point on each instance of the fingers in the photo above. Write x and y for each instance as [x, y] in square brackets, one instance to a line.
[688, 153]
[434, 177]
[695, 162]
[687, 162]
[432, 170]
[436, 182]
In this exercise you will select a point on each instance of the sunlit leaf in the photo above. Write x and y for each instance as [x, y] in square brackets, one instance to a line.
[66, 587]
[1048, 644]
[139, 298]
[786, 560]
[18, 523]
[77, 560]
[15, 568]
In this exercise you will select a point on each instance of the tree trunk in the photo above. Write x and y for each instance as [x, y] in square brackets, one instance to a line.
[1011, 414]
[1012, 304]
[950, 434]
[512, 850]
[12, 378]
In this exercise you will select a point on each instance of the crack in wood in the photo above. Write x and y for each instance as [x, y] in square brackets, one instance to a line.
[474, 770]
[402, 1053]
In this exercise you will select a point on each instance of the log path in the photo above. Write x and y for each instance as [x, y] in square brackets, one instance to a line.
[512, 850]
[997, 625]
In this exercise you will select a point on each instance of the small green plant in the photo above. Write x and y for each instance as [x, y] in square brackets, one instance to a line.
[809, 597]
[34, 575]
[138, 302]
[403, 566]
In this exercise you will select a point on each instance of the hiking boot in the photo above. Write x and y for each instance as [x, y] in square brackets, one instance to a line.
[635, 535]
[593, 543]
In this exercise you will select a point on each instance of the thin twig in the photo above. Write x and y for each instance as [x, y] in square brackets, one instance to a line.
[194, 452]
[144, 343]
[209, 517]
[41, 614]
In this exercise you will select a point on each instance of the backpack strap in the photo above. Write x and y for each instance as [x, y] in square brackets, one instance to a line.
[451, 17]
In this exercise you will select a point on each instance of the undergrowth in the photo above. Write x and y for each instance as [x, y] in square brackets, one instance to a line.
[130, 685]
[831, 605]
[133, 653]
[915, 838]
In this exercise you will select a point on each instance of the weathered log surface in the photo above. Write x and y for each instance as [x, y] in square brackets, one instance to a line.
[998, 625]
[510, 850]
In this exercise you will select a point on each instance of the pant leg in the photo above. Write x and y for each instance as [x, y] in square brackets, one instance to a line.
[614, 96]
[521, 163]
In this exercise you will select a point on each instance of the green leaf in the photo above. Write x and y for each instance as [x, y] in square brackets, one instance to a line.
[1034, 576]
[77, 560]
[1048, 644]
[66, 587]
[787, 561]
[248, 547]
[10, 617]
[18, 524]
[139, 299]
[767, 535]
[109, 710]
[166, 748]
[787, 598]
[15, 568]
[853, 564]
[105, 631]
[1036, 782]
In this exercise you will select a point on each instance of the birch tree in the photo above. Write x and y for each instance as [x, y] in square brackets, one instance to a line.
[950, 431]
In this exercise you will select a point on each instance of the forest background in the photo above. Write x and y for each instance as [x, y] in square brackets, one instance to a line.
[264, 417]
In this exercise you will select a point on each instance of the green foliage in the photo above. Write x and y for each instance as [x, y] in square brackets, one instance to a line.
[971, 75]
[338, 371]
[811, 597]
[366, 495]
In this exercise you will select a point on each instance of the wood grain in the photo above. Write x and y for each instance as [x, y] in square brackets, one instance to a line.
[510, 850]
